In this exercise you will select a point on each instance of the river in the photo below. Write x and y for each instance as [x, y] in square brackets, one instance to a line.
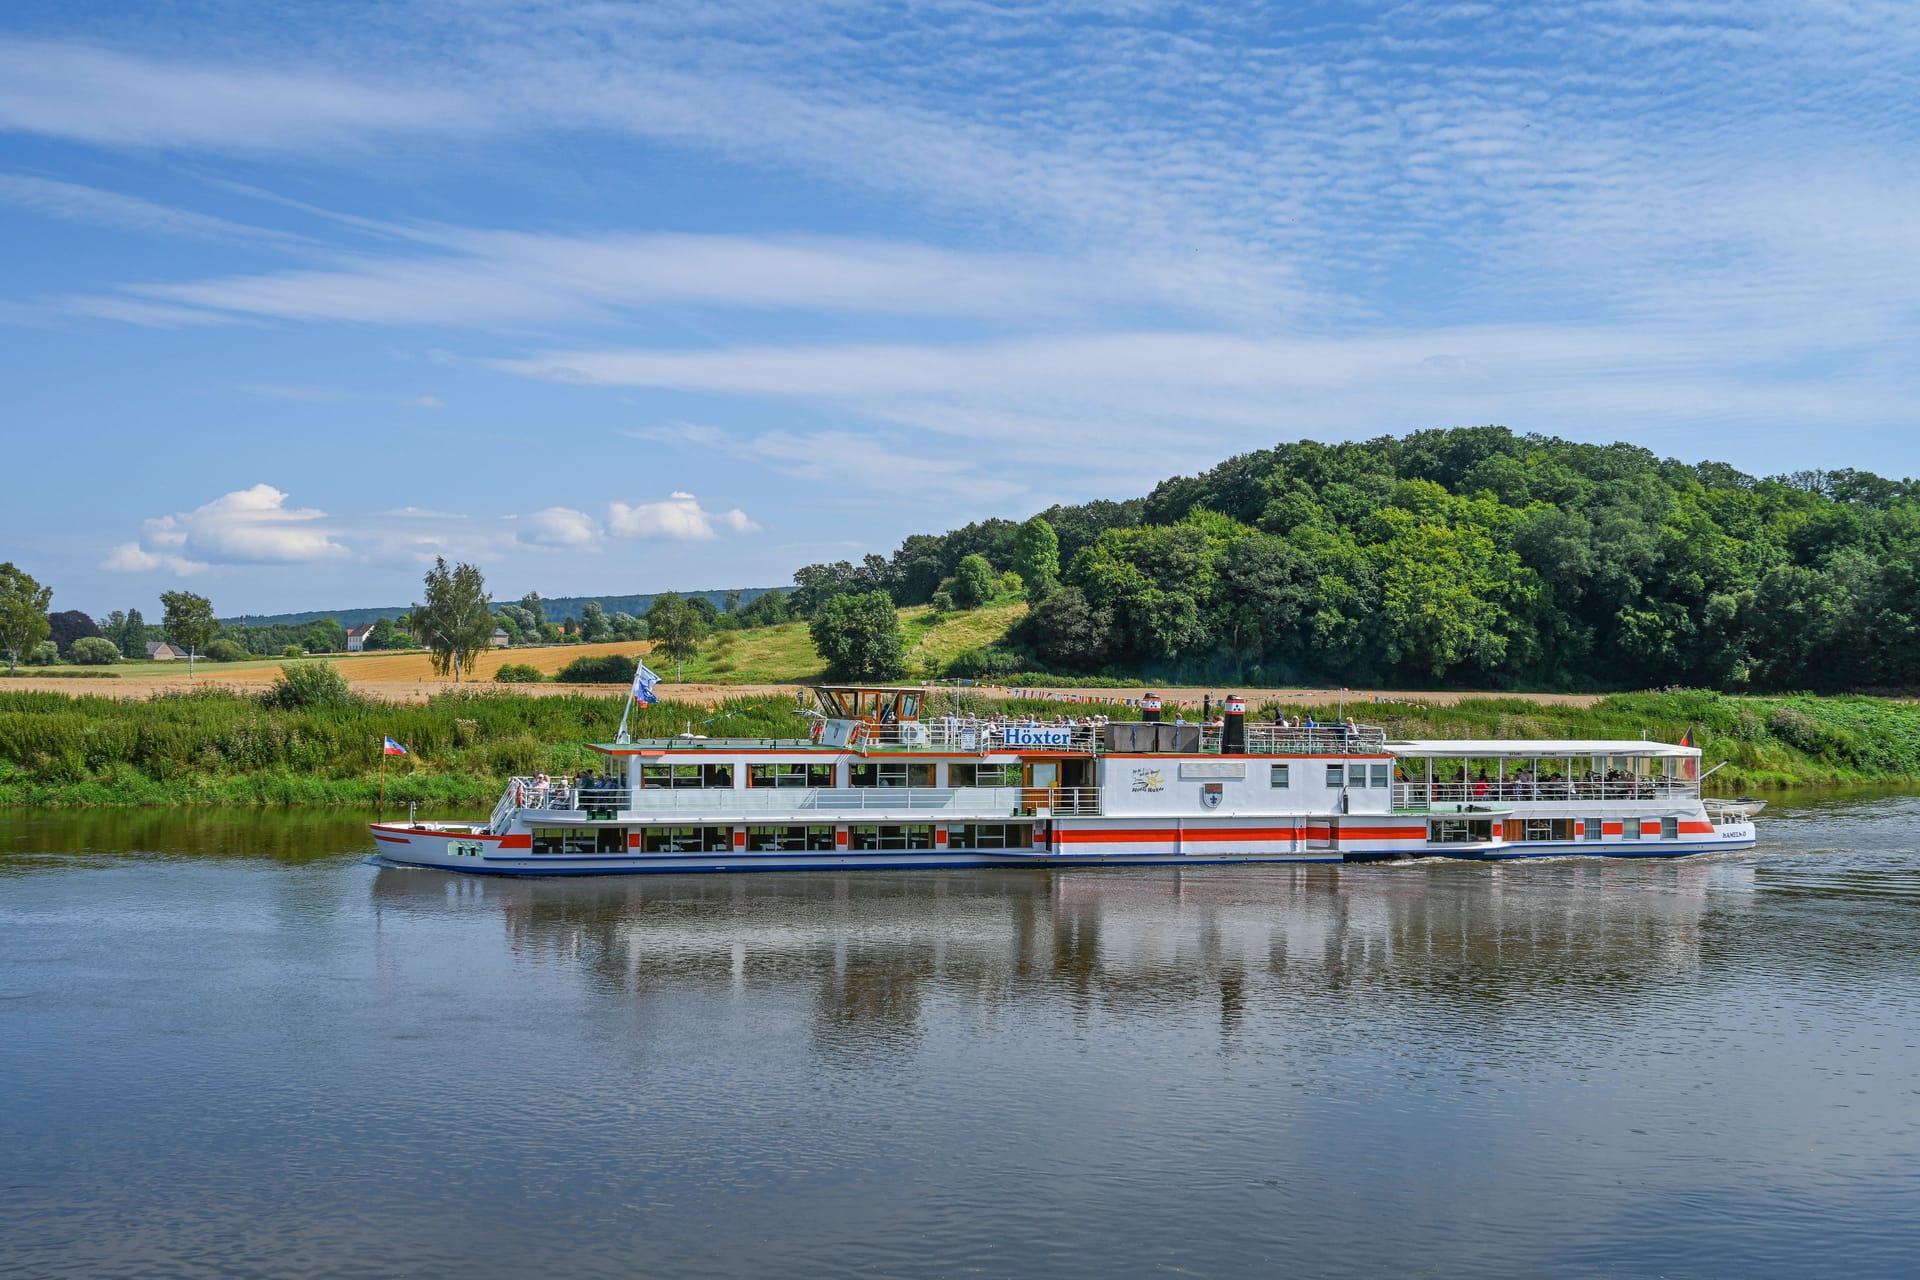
[232, 1046]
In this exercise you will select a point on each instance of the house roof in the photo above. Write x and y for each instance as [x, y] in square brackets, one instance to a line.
[360, 630]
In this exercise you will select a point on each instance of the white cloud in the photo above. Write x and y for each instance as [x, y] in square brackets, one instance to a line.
[560, 527]
[678, 518]
[87, 94]
[247, 526]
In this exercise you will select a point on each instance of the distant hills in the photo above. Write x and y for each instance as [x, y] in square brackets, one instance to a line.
[556, 608]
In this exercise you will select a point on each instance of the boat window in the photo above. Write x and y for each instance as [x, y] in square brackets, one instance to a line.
[983, 775]
[790, 775]
[1549, 829]
[990, 835]
[1336, 775]
[789, 839]
[890, 774]
[1460, 830]
[1630, 829]
[1594, 828]
[1277, 777]
[891, 837]
[1669, 828]
[687, 839]
[909, 705]
[1379, 773]
[686, 775]
[567, 841]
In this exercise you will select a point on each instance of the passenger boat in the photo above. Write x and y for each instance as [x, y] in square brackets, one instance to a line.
[879, 785]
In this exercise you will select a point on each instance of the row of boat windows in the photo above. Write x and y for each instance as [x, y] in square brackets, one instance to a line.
[1280, 776]
[576, 841]
[871, 774]
[1481, 830]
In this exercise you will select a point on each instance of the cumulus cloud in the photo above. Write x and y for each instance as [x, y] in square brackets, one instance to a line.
[560, 527]
[256, 526]
[678, 518]
[248, 526]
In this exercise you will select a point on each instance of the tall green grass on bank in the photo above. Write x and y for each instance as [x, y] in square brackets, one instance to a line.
[217, 747]
[214, 746]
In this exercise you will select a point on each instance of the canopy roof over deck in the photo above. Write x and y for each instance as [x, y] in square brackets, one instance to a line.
[1537, 748]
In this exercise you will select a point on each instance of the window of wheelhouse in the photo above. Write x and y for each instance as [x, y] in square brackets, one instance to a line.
[789, 775]
[663, 776]
[890, 774]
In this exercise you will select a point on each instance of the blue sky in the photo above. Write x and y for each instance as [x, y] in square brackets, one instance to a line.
[616, 298]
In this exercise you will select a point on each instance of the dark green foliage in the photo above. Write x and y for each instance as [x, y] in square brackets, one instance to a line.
[225, 650]
[1467, 556]
[859, 637]
[302, 686]
[1036, 556]
[990, 663]
[611, 669]
[67, 626]
[972, 582]
[522, 673]
[766, 610]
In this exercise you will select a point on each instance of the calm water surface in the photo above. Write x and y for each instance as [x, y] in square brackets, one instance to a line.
[229, 1046]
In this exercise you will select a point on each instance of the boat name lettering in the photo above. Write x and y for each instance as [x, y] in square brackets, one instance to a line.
[1022, 735]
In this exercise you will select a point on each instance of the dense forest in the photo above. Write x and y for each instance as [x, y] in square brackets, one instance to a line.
[1469, 556]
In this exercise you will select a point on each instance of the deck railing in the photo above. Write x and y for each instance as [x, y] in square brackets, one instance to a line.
[1417, 796]
[725, 803]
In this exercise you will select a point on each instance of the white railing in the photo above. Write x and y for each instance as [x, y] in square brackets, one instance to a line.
[721, 802]
[1423, 795]
[1277, 739]
[979, 736]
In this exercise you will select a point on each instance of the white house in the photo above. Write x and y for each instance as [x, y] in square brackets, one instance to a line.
[357, 637]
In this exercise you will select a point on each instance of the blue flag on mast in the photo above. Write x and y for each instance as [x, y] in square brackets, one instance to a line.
[643, 682]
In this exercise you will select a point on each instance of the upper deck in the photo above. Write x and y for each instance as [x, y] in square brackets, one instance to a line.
[960, 736]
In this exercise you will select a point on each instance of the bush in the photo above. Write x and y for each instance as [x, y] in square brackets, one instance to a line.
[293, 651]
[611, 669]
[94, 651]
[224, 650]
[518, 673]
[44, 654]
[310, 684]
[985, 664]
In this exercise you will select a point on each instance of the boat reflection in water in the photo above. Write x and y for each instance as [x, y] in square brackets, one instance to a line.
[870, 949]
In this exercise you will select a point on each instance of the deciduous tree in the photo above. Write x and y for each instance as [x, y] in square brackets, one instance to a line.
[23, 613]
[189, 622]
[455, 623]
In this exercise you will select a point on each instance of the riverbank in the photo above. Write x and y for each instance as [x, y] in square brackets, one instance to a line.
[221, 747]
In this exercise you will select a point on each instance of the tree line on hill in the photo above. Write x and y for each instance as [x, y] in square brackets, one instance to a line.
[1469, 556]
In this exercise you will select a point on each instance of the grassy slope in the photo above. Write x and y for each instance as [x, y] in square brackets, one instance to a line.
[785, 654]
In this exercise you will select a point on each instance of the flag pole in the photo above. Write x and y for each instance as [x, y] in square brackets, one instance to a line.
[383, 777]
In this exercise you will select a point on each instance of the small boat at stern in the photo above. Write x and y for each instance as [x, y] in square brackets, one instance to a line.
[877, 785]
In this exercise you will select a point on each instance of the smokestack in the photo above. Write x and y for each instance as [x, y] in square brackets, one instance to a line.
[1233, 732]
[1150, 708]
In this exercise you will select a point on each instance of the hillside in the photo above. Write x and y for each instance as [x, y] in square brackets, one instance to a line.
[1471, 557]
